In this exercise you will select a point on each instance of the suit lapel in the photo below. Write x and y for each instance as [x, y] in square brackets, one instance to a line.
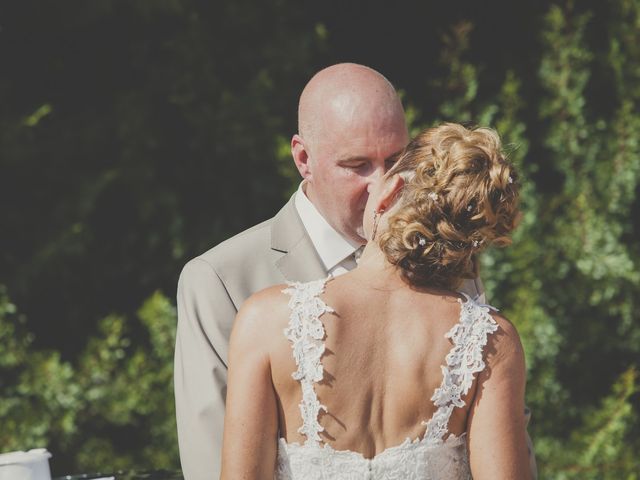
[300, 261]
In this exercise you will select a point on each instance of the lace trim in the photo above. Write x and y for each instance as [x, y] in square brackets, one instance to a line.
[306, 333]
[408, 444]
[464, 360]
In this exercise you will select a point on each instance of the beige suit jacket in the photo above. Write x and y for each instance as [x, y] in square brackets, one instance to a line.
[211, 289]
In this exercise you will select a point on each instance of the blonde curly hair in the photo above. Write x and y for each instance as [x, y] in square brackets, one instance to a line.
[460, 196]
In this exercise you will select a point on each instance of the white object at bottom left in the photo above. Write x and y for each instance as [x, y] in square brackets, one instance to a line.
[31, 465]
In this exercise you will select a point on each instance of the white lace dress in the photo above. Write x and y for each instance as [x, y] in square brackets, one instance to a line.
[430, 458]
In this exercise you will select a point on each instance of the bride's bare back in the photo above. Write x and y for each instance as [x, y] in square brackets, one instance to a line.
[382, 363]
[385, 347]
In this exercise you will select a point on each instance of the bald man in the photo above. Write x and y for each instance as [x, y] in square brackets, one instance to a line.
[351, 125]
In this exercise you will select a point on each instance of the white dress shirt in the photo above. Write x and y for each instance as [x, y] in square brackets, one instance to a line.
[336, 252]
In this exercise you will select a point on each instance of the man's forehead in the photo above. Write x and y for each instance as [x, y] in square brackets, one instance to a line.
[360, 125]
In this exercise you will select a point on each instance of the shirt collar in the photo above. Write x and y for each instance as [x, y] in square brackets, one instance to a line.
[330, 245]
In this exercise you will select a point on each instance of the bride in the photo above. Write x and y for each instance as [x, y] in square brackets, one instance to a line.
[387, 372]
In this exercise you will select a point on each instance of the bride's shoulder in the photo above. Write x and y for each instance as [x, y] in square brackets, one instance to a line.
[503, 342]
[262, 316]
[504, 346]
[270, 297]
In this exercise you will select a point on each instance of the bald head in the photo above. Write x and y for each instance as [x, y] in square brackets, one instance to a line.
[345, 94]
[351, 125]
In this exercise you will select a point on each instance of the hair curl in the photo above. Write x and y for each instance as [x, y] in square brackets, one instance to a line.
[460, 196]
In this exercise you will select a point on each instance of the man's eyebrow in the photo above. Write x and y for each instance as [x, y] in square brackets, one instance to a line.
[393, 157]
[355, 158]
[360, 158]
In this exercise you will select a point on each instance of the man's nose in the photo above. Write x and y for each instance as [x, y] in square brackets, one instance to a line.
[375, 175]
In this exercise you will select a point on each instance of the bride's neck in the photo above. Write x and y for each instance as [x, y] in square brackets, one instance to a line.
[373, 264]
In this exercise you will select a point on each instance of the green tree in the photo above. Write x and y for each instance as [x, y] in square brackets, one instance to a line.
[135, 136]
[570, 279]
[111, 409]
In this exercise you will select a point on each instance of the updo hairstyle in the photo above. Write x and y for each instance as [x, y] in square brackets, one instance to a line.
[460, 196]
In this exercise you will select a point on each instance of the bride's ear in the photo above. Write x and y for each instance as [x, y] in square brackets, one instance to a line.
[392, 188]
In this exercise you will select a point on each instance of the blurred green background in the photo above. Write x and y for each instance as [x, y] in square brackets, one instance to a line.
[137, 134]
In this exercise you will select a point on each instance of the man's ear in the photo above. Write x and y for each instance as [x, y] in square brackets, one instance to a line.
[390, 192]
[300, 156]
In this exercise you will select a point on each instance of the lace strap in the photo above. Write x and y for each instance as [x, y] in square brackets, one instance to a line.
[464, 360]
[306, 334]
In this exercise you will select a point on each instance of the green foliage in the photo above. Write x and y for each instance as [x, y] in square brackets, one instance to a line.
[600, 448]
[154, 115]
[570, 279]
[111, 409]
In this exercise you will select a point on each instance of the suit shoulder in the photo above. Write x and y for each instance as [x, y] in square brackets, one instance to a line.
[243, 264]
[234, 249]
